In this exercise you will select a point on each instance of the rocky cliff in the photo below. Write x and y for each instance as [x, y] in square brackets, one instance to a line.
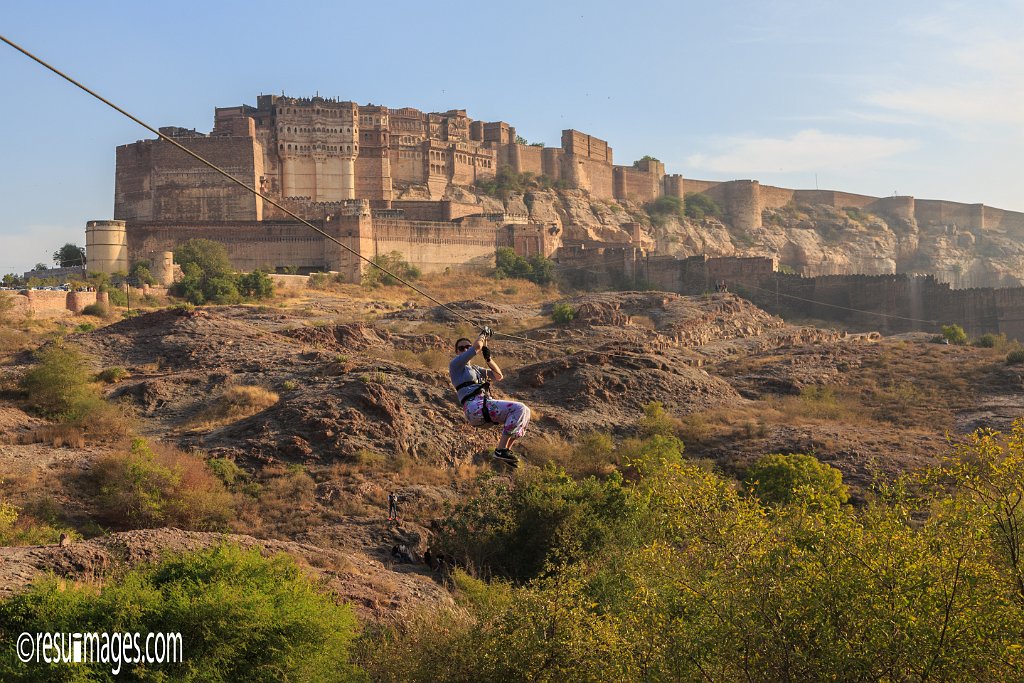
[807, 239]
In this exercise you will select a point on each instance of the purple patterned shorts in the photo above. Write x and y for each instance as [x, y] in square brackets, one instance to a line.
[514, 416]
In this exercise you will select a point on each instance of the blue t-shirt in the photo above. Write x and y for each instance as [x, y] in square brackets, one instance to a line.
[460, 370]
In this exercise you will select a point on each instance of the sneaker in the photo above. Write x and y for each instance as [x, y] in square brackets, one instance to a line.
[506, 456]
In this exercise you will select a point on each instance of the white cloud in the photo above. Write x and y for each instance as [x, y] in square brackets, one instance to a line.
[808, 150]
[975, 74]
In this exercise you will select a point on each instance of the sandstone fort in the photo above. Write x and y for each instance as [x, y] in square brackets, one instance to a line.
[381, 180]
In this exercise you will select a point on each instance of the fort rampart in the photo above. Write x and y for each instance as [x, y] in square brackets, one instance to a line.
[45, 303]
[886, 303]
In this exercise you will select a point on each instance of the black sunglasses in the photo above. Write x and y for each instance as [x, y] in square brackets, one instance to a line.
[460, 349]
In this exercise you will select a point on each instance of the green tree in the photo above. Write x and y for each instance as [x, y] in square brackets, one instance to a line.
[243, 617]
[517, 529]
[211, 257]
[509, 264]
[141, 270]
[646, 157]
[563, 313]
[777, 479]
[60, 383]
[69, 255]
[954, 334]
[393, 262]
[256, 285]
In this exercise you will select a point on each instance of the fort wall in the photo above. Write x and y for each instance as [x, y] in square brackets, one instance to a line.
[641, 183]
[157, 181]
[886, 303]
[45, 303]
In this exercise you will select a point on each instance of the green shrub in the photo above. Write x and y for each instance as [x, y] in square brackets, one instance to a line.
[954, 334]
[243, 617]
[509, 264]
[543, 516]
[184, 308]
[17, 529]
[59, 384]
[147, 487]
[991, 341]
[85, 327]
[116, 295]
[289, 385]
[112, 375]
[777, 479]
[902, 588]
[255, 285]
[142, 271]
[656, 421]
[665, 206]
[698, 205]
[563, 313]
[1015, 356]
[393, 262]
[318, 280]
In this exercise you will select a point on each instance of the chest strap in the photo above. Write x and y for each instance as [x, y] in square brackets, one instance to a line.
[483, 387]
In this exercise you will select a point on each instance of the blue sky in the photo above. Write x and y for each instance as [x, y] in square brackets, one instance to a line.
[919, 98]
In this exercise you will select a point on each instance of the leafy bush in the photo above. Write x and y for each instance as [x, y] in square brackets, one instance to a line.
[85, 327]
[992, 341]
[243, 618]
[151, 487]
[509, 264]
[207, 274]
[563, 313]
[506, 181]
[656, 421]
[1015, 356]
[665, 206]
[543, 516]
[255, 285]
[141, 270]
[777, 479]
[393, 262]
[318, 280]
[115, 295]
[698, 205]
[18, 529]
[954, 334]
[904, 588]
[59, 385]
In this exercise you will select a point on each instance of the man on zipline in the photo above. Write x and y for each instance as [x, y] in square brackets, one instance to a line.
[472, 384]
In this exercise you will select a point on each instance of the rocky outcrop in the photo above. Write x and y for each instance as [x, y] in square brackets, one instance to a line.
[807, 239]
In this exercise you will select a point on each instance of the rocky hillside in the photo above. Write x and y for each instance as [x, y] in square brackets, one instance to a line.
[806, 239]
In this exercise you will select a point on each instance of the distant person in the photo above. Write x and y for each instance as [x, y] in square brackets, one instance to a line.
[472, 385]
[392, 506]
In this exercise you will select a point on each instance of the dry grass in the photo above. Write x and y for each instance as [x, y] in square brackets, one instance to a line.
[57, 435]
[236, 403]
[592, 454]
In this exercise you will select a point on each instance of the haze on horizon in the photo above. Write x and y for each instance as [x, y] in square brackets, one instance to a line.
[910, 98]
